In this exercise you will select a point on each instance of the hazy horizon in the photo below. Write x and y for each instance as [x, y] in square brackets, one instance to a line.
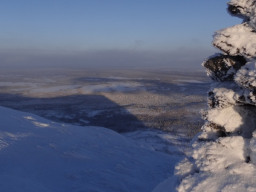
[175, 59]
[122, 34]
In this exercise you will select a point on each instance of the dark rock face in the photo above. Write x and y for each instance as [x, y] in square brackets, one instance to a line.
[223, 67]
[234, 10]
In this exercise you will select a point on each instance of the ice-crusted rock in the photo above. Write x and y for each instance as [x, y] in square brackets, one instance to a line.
[224, 95]
[216, 156]
[223, 67]
[242, 8]
[246, 9]
[218, 165]
[224, 153]
[239, 177]
[246, 77]
[237, 40]
[236, 120]
[211, 132]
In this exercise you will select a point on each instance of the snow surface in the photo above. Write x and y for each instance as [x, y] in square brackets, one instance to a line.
[237, 40]
[43, 156]
[219, 166]
[227, 117]
[246, 76]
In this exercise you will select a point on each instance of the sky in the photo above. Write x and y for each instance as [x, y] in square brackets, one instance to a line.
[109, 32]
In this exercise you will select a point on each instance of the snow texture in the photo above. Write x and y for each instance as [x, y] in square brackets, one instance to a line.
[39, 155]
[224, 153]
[243, 8]
[237, 40]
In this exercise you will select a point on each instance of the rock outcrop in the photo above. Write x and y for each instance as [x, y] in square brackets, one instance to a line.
[226, 147]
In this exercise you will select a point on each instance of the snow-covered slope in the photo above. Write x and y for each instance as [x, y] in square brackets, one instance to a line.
[43, 156]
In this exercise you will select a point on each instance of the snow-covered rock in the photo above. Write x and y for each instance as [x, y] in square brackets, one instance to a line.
[242, 8]
[224, 95]
[246, 76]
[215, 156]
[237, 40]
[239, 178]
[218, 165]
[235, 120]
[223, 67]
[224, 153]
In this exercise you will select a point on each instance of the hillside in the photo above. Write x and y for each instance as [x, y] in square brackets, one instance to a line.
[43, 156]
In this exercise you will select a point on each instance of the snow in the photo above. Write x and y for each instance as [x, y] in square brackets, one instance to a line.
[188, 81]
[225, 94]
[219, 166]
[92, 86]
[216, 156]
[227, 117]
[237, 40]
[111, 87]
[246, 76]
[94, 113]
[54, 89]
[160, 141]
[43, 156]
[89, 89]
[246, 9]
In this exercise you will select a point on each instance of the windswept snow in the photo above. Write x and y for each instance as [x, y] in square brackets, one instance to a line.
[228, 117]
[42, 156]
[219, 166]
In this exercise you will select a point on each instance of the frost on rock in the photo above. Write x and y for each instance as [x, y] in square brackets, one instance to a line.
[224, 95]
[246, 77]
[237, 40]
[224, 153]
[223, 67]
[242, 8]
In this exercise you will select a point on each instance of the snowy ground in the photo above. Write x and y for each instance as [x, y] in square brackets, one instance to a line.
[39, 155]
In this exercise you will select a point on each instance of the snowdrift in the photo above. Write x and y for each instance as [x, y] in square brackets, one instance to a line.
[43, 156]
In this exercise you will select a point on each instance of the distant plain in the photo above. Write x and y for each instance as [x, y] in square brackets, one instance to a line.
[123, 100]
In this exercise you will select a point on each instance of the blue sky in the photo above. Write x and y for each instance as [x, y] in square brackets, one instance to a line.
[110, 26]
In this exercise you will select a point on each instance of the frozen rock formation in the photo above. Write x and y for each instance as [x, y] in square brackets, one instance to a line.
[224, 153]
